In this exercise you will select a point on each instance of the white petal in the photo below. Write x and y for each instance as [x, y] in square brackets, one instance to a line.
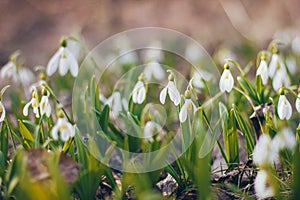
[263, 188]
[148, 72]
[173, 93]
[63, 64]
[2, 113]
[48, 110]
[64, 134]
[43, 104]
[284, 108]
[54, 132]
[297, 104]
[163, 95]
[25, 109]
[263, 71]
[158, 72]
[141, 95]
[183, 112]
[73, 64]
[226, 81]
[54, 62]
[8, 70]
[71, 130]
[273, 65]
[148, 130]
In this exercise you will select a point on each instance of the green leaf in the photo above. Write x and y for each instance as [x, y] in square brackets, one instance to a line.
[26, 134]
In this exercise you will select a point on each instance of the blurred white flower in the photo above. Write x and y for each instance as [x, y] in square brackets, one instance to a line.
[139, 92]
[63, 127]
[193, 53]
[154, 69]
[297, 103]
[226, 80]
[34, 103]
[263, 186]
[115, 102]
[262, 70]
[187, 106]
[171, 90]
[199, 77]
[291, 64]
[284, 108]
[153, 52]
[63, 60]
[263, 153]
[11, 71]
[2, 112]
[284, 139]
[281, 79]
[150, 129]
[45, 106]
[296, 45]
[276, 64]
[126, 56]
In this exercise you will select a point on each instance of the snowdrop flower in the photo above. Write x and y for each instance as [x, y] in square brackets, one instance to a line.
[40, 83]
[193, 53]
[291, 64]
[171, 90]
[199, 77]
[263, 185]
[45, 106]
[2, 112]
[126, 56]
[10, 70]
[263, 153]
[63, 127]
[115, 102]
[281, 79]
[150, 129]
[296, 45]
[297, 103]
[226, 80]
[187, 106]
[139, 91]
[63, 60]
[284, 108]
[275, 64]
[262, 70]
[2, 109]
[284, 139]
[153, 52]
[34, 102]
[154, 69]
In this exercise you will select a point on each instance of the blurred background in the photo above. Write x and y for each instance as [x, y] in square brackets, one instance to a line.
[35, 26]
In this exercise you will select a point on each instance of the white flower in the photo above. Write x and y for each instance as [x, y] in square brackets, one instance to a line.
[34, 103]
[284, 139]
[171, 90]
[296, 45]
[263, 186]
[139, 92]
[275, 64]
[115, 102]
[264, 153]
[64, 127]
[63, 60]
[10, 70]
[2, 112]
[262, 70]
[226, 80]
[193, 53]
[297, 103]
[45, 106]
[281, 79]
[291, 64]
[187, 106]
[150, 129]
[199, 77]
[284, 108]
[153, 52]
[154, 69]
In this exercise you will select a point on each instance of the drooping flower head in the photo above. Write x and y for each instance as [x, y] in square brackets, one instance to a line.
[187, 106]
[45, 106]
[34, 102]
[297, 103]
[263, 185]
[171, 90]
[62, 126]
[154, 69]
[63, 60]
[284, 108]
[264, 154]
[2, 108]
[139, 91]
[226, 80]
[262, 69]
